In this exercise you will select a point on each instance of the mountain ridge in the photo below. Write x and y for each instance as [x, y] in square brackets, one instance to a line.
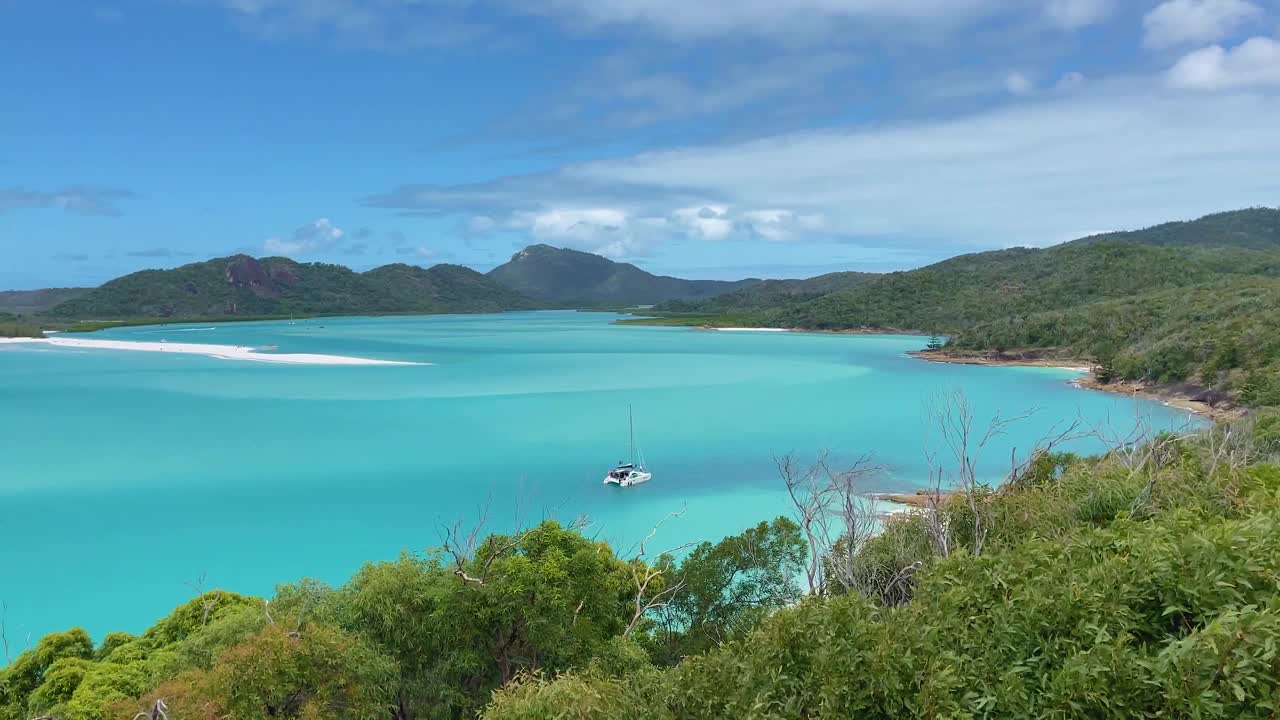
[571, 277]
[241, 285]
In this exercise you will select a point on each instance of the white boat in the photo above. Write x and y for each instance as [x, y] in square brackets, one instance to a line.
[629, 473]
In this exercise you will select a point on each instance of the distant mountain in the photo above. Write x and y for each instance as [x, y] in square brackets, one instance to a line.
[30, 302]
[244, 286]
[772, 293]
[569, 277]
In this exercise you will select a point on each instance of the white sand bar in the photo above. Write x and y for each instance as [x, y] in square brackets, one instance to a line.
[223, 352]
[724, 329]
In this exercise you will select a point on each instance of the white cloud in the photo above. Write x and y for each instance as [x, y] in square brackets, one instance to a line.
[708, 222]
[1195, 22]
[1253, 63]
[1019, 84]
[1027, 173]
[1075, 14]
[777, 225]
[608, 231]
[313, 238]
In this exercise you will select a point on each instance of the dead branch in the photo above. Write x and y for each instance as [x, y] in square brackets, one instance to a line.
[4, 637]
[836, 517]
[1075, 430]
[464, 547]
[644, 574]
[158, 711]
[207, 603]
[953, 418]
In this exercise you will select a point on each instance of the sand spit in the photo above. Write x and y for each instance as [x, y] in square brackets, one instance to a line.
[222, 352]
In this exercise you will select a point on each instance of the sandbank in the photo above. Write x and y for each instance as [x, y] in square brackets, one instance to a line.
[222, 352]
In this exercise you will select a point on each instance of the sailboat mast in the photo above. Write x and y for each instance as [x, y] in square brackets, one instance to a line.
[631, 423]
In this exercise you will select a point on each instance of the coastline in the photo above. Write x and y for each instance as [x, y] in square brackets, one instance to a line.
[221, 352]
[857, 331]
[1170, 396]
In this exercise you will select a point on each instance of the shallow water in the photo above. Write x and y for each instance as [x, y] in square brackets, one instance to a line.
[128, 475]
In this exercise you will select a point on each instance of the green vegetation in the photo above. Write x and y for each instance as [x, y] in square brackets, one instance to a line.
[1142, 584]
[424, 636]
[771, 293]
[569, 278]
[242, 286]
[1192, 301]
[31, 302]
[1136, 586]
[17, 326]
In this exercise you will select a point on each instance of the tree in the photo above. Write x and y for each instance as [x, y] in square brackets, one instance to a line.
[1104, 370]
[463, 622]
[935, 343]
[315, 672]
[728, 587]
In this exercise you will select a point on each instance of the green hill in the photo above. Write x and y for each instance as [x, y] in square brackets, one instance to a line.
[30, 302]
[244, 286]
[1253, 228]
[771, 293]
[569, 277]
[1197, 300]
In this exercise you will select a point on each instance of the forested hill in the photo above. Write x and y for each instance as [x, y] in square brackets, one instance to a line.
[772, 293]
[1197, 300]
[30, 302]
[244, 286]
[568, 277]
[1255, 228]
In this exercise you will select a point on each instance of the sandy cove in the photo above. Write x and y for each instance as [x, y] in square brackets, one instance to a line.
[222, 352]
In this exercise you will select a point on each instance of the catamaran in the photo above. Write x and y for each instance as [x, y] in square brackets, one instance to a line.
[629, 473]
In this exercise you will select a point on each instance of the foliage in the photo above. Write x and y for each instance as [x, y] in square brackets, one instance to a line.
[16, 326]
[549, 599]
[1077, 608]
[728, 587]
[314, 672]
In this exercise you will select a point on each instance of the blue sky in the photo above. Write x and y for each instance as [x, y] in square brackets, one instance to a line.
[717, 138]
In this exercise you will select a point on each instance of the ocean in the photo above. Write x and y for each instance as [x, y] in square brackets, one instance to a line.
[128, 479]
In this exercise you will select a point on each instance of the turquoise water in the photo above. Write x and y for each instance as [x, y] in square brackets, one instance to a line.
[127, 475]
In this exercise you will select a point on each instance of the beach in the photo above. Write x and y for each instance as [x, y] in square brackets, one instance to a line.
[222, 352]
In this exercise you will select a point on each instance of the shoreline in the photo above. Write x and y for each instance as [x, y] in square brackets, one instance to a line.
[859, 331]
[221, 352]
[1162, 394]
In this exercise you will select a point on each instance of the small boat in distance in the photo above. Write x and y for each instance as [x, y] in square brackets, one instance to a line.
[629, 473]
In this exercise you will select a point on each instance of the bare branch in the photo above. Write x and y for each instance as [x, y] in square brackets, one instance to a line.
[207, 603]
[464, 547]
[158, 711]
[643, 575]
[953, 417]
[4, 637]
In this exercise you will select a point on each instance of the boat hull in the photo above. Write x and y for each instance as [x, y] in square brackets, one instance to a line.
[635, 477]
